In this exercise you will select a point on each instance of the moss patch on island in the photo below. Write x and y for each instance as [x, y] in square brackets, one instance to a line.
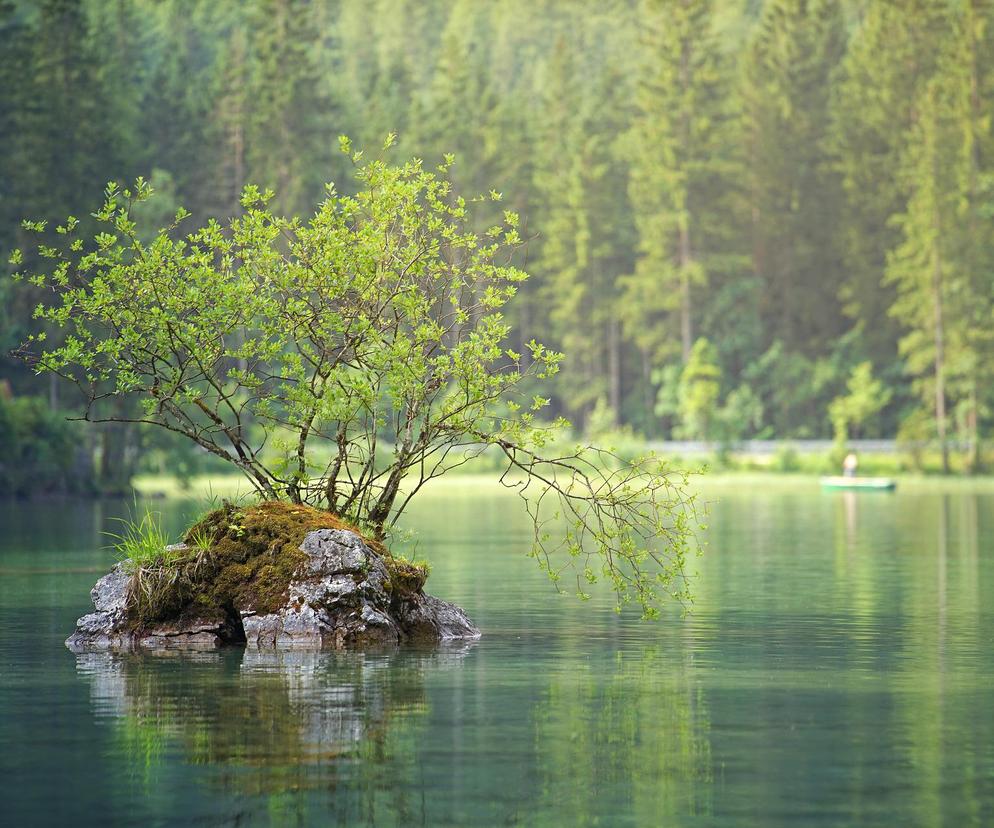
[406, 577]
[244, 558]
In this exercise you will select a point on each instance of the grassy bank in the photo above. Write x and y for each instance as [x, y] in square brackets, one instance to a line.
[208, 487]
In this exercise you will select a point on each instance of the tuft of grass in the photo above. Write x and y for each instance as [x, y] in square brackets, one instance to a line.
[141, 542]
[161, 578]
[200, 539]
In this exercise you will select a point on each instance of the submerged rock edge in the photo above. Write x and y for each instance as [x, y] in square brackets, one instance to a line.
[339, 600]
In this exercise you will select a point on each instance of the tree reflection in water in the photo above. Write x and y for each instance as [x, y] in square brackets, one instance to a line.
[638, 732]
[265, 723]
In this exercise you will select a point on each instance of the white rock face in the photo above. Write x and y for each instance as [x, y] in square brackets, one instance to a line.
[340, 600]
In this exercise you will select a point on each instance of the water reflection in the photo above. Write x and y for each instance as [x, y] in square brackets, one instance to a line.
[836, 670]
[261, 722]
[637, 732]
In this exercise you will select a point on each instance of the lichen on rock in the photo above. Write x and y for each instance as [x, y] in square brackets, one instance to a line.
[269, 575]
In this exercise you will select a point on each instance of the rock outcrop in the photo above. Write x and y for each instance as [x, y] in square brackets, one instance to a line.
[342, 596]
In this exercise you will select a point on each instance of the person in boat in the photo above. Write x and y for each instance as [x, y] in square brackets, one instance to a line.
[849, 465]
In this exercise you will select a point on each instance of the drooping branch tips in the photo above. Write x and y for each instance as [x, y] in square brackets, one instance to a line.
[599, 517]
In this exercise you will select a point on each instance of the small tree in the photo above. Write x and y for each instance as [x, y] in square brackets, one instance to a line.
[741, 416]
[866, 397]
[698, 392]
[346, 360]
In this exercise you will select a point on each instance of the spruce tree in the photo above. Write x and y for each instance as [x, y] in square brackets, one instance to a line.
[586, 236]
[794, 191]
[941, 268]
[922, 266]
[680, 158]
[890, 56]
[292, 119]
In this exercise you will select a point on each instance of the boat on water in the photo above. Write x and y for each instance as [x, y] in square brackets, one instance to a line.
[873, 484]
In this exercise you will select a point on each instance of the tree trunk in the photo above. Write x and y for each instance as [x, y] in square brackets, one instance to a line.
[116, 466]
[973, 449]
[648, 400]
[614, 367]
[238, 164]
[940, 387]
[686, 257]
[381, 511]
[686, 325]
[977, 114]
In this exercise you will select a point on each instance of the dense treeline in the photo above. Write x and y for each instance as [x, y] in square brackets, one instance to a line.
[746, 218]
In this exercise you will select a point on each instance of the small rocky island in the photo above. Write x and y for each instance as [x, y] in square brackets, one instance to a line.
[272, 575]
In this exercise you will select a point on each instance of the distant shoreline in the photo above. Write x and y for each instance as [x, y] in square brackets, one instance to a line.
[232, 486]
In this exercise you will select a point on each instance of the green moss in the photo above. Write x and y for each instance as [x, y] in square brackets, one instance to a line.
[242, 557]
[406, 577]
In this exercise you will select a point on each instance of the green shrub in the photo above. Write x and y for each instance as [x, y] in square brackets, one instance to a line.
[786, 459]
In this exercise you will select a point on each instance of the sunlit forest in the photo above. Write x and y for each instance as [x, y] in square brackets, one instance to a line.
[744, 219]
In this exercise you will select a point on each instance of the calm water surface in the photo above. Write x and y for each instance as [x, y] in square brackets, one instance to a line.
[837, 670]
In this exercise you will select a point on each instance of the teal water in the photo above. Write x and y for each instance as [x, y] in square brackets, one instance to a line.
[837, 670]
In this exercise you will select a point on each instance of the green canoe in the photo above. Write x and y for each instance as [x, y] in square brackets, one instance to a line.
[873, 484]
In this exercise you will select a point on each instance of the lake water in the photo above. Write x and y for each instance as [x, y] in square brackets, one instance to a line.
[837, 670]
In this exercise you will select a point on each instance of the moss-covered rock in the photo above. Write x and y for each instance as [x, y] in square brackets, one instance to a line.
[274, 575]
[255, 552]
[406, 578]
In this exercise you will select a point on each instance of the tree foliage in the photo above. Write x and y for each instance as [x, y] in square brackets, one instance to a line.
[698, 392]
[347, 360]
[866, 396]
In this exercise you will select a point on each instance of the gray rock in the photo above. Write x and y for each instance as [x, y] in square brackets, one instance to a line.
[104, 629]
[339, 600]
[428, 618]
[108, 628]
[335, 550]
[110, 593]
[290, 628]
[188, 634]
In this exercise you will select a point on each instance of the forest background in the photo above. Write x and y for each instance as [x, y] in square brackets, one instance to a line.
[746, 219]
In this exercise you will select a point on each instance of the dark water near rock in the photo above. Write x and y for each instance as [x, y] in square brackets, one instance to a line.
[837, 670]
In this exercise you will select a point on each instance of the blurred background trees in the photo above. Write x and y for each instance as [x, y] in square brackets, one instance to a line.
[803, 186]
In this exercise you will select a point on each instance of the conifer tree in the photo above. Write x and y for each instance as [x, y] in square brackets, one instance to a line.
[890, 56]
[679, 157]
[18, 174]
[795, 197]
[941, 269]
[969, 63]
[73, 143]
[18, 182]
[231, 124]
[922, 265]
[179, 111]
[292, 120]
[585, 234]
[460, 101]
